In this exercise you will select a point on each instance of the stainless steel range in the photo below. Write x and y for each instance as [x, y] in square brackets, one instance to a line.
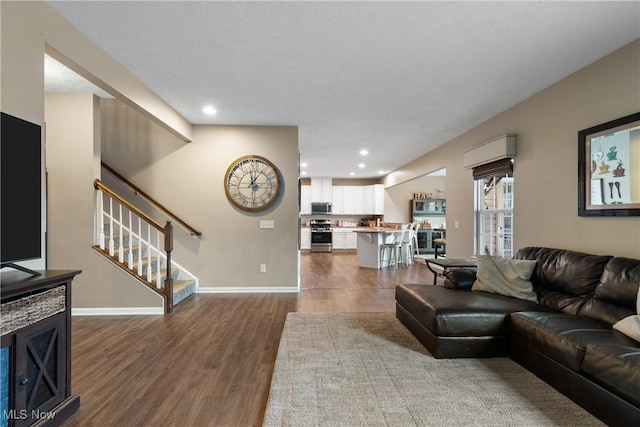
[321, 235]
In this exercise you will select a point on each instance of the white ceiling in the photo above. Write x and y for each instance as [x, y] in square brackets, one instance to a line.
[59, 78]
[396, 78]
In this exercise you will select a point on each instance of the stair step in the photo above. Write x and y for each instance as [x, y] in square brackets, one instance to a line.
[116, 239]
[144, 260]
[182, 288]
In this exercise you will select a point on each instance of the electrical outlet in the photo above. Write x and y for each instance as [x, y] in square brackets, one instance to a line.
[456, 224]
[263, 268]
[267, 223]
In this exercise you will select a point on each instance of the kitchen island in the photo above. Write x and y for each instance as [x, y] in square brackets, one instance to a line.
[369, 242]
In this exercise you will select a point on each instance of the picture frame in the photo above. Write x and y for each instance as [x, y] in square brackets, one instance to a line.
[609, 168]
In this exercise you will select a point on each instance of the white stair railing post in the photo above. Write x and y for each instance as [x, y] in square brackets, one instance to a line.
[111, 244]
[120, 237]
[130, 260]
[139, 247]
[101, 219]
[149, 278]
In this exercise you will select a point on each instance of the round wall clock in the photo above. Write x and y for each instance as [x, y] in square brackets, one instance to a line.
[252, 183]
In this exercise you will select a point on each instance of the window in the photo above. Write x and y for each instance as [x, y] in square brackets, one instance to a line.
[494, 212]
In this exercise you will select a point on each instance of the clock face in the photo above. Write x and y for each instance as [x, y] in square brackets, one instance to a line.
[252, 183]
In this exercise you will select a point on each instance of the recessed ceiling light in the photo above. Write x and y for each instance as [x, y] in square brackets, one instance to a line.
[209, 110]
[303, 165]
[303, 173]
[381, 172]
[352, 173]
[363, 152]
[361, 165]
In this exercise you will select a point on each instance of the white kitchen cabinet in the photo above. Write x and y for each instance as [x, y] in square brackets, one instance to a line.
[373, 199]
[337, 240]
[348, 201]
[368, 202]
[378, 197]
[337, 200]
[344, 239]
[321, 190]
[345, 199]
[358, 200]
[305, 239]
[305, 199]
[351, 240]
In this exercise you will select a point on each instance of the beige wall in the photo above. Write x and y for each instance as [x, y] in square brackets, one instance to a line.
[230, 259]
[188, 179]
[397, 201]
[73, 162]
[27, 30]
[545, 172]
[31, 28]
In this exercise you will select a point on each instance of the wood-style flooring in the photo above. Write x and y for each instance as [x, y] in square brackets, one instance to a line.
[210, 362]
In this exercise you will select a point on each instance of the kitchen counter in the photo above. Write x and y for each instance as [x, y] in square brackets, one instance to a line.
[376, 230]
[369, 241]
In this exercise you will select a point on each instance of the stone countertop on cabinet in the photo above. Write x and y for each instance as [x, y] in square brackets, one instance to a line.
[377, 230]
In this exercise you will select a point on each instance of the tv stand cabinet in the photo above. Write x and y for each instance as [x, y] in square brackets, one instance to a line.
[36, 349]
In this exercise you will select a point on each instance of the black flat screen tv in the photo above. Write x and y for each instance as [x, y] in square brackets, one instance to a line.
[21, 193]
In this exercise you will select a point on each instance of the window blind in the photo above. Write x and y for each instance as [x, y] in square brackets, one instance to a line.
[502, 167]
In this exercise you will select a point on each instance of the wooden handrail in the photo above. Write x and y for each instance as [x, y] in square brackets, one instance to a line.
[137, 190]
[99, 185]
[166, 230]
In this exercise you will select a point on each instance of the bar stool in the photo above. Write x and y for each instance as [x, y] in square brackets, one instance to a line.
[393, 245]
[415, 250]
[407, 246]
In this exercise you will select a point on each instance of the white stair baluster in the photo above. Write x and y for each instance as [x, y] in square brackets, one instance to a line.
[139, 247]
[130, 260]
[149, 278]
[111, 244]
[101, 219]
[158, 271]
[121, 238]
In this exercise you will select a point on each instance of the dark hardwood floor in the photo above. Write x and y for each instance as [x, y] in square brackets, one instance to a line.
[210, 362]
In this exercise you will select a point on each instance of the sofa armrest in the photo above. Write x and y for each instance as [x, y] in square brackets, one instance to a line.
[459, 278]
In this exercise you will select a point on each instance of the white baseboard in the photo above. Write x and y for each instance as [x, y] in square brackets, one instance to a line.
[117, 311]
[245, 290]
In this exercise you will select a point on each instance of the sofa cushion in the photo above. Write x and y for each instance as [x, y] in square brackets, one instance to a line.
[564, 279]
[615, 296]
[459, 278]
[459, 313]
[617, 368]
[503, 276]
[630, 325]
[563, 337]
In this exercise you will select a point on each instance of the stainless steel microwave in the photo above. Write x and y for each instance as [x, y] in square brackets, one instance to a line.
[320, 208]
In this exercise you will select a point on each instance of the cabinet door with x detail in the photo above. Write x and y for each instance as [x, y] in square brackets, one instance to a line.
[40, 368]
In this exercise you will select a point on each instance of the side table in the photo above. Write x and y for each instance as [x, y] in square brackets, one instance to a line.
[448, 263]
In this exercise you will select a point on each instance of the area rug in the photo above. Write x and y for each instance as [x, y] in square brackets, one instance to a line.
[366, 369]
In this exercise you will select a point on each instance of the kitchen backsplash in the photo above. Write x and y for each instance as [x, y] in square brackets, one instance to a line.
[339, 220]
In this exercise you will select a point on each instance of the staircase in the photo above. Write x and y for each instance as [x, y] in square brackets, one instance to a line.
[131, 240]
[184, 283]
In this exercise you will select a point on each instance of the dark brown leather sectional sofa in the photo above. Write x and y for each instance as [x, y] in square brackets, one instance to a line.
[567, 338]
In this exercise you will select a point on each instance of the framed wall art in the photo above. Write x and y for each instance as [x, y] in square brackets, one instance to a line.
[609, 168]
